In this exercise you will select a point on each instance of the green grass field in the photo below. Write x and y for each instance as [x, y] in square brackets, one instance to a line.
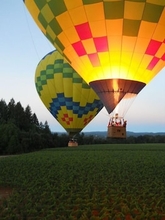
[89, 182]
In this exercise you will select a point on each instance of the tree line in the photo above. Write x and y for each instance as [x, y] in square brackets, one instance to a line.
[21, 132]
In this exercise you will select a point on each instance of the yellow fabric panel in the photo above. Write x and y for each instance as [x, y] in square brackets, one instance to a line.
[89, 46]
[135, 61]
[128, 43]
[107, 71]
[72, 35]
[139, 76]
[62, 37]
[98, 28]
[148, 75]
[114, 27]
[146, 29]
[141, 45]
[94, 12]
[90, 97]
[70, 52]
[115, 70]
[64, 20]
[158, 67]
[84, 97]
[95, 74]
[161, 51]
[50, 59]
[64, 110]
[115, 43]
[104, 58]
[77, 92]
[90, 76]
[73, 4]
[123, 74]
[83, 102]
[159, 34]
[133, 10]
[75, 15]
[126, 58]
[45, 96]
[162, 18]
[145, 61]
[51, 87]
[70, 114]
[86, 62]
[77, 123]
[132, 74]
[68, 90]
[58, 83]
[123, 70]
[115, 57]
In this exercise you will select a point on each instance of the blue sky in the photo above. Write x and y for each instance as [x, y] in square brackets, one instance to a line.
[22, 46]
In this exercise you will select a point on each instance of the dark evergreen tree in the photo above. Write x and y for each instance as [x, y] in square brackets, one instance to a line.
[29, 117]
[46, 128]
[20, 116]
[9, 139]
[35, 120]
[11, 109]
[3, 111]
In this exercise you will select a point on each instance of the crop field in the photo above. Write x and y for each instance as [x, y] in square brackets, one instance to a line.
[88, 183]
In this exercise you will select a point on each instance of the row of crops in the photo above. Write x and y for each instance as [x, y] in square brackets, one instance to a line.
[88, 182]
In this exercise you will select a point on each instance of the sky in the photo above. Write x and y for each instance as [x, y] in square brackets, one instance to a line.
[22, 46]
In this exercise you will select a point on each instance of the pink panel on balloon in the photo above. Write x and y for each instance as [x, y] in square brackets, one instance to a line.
[163, 57]
[79, 48]
[153, 47]
[153, 62]
[94, 59]
[101, 44]
[83, 31]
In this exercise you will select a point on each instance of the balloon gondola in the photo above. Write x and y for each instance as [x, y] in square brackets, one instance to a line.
[70, 100]
[117, 127]
[117, 52]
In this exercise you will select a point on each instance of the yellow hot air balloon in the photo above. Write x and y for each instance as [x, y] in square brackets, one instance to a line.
[117, 46]
[71, 101]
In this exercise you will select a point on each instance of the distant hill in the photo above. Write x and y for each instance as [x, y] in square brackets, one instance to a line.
[129, 133]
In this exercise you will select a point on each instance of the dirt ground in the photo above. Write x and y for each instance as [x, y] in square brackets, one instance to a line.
[5, 192]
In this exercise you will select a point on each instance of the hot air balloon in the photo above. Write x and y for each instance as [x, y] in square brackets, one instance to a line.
[71, 101]
[117, 47]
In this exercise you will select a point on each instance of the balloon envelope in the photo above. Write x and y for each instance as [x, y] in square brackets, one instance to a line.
[116, 46]
[65, 94]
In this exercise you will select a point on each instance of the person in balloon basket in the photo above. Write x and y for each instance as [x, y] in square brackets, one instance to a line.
[125, 124]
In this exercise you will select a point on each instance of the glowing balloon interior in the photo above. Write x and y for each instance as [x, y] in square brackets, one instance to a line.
[65, 94]
[116, 46]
